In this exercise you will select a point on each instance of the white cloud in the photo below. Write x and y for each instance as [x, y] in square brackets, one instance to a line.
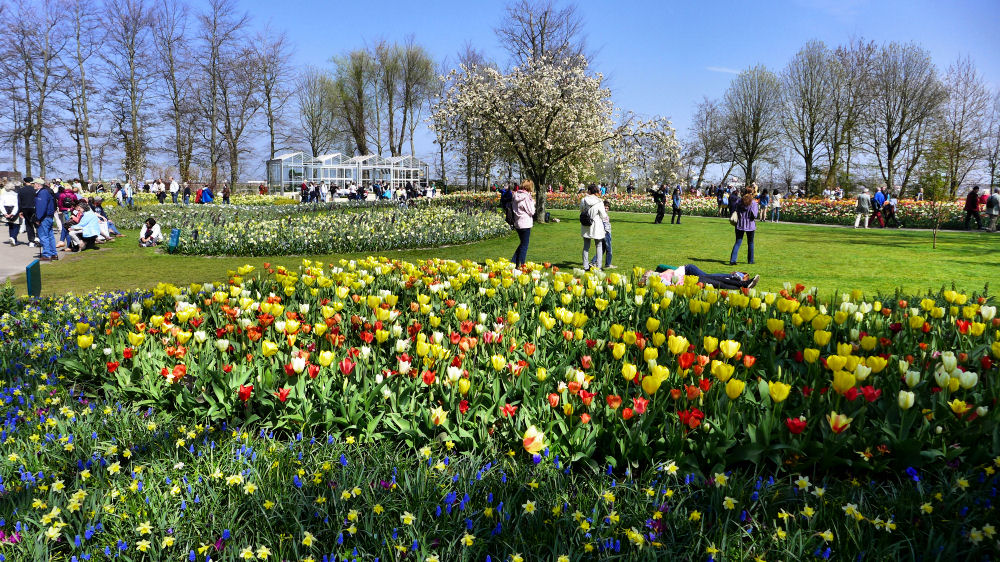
[722, 69]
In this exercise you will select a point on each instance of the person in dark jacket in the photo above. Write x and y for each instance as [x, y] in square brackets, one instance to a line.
[26, 207]
[972, 208]
[675, 205]
[45, 211]
[660, 198]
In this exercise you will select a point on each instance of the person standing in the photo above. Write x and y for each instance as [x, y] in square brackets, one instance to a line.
[225, 193]
[659, 194]
[972, 208]
[128, 193]
[776, 206]
[9, 208]
[607, 241]
[523, 203]
[45, 210]
[920, 195]
[26, 208]
[746, 223]
[764, 200]
[187, 194]
[592, 215]
[993, 209]
[675, 206]
[174, 189]
[863, 207]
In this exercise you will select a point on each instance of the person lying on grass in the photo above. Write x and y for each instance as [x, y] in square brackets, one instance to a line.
[675, 276]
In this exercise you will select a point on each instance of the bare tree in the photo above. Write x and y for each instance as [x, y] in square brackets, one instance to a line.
[991, 145]
[388, 62]
[351, 89]
[221, 30]
[318, 121]
[239, 101]
[806, 90]
[752, 106]
[130, 61]
[964, 123]
[274, 57]
[906, 94]
[417, 80]
[708, 132]
[174, 69]
[86, 26]
[850, 73]
[533, 28]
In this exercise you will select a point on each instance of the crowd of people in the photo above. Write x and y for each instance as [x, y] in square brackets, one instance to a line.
[323, 192]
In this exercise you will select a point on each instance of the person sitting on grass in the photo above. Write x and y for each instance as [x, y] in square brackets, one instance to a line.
[675, 276]
[86, 230]
[150, 234]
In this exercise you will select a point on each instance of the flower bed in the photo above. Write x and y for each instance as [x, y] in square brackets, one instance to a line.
[595, 369]
[309, 229]
[444, 411]
[911, 214]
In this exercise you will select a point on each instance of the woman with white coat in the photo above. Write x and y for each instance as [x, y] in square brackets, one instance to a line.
[592, 216]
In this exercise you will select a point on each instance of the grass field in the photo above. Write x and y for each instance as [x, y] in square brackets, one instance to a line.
[828, 257]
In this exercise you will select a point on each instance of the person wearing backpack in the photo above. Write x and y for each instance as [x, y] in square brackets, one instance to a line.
[592, 215]
[507, 204]
[523, 211]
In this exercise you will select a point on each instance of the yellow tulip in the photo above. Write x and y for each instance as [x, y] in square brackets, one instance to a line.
[464, 384]
[778, 391]
[268, 348]
[616, 331]
[775, 325]
[660, 372]
[868, 343]
[438, 416]
[876, 364]
[541, 374]
[721, 370]
[534, 440]
[618, 350]
[995, 349]
[734, 388]
[959, 406]
[844, 349]
[916, 322]
[183, 337]
[835, 362]
[652, 324]
[651, 384]
[325, 358]
[650, 353]
[628, 371]
[83, 327]
[838, 422]
[319, 328]
[498, 362]
[677, 344]
[843, 381]
[84, 341]
[658, 339]
[136, 339]
[810, 355]
[710, 344]
[729, 348]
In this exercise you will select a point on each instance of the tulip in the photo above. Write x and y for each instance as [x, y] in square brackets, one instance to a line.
[325, 358]
[533, 440]
[949, 361]
[651, 384]
[959, 407]
[346, 366]
[810, 355]
[778, 391]
[200, 336]
[843, 381]
[876, 363]
[282, 394]
[968, 379]
[734, 388]
[222, 345]
[298, 364]
[838, 422]
[942, 378]
[244, 392]
[796, 425]
[628, 371]
[438, 416]
[616, 331]
[905, 399]
[987, 312]
[861, 372]
[729, 348]
[835, 362]
[268, 348]
[498, 362]
[710, 344]
[775, 325]
[722, 371]
[136, 339]
[912, 378]
[652, 324]
[618, 350]
[463, 386]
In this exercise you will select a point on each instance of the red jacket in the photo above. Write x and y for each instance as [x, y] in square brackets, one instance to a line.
[972, 201]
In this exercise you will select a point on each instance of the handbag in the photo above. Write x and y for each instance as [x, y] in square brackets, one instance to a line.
[734, 218]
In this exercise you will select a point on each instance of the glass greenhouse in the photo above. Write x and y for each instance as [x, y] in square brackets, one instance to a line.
[288, 171]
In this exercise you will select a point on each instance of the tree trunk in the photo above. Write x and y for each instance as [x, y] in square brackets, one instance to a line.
[84, 113]
[39, 149]
[444, 173]
[701, 172]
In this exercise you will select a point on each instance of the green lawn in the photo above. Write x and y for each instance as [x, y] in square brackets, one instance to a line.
[828, 257]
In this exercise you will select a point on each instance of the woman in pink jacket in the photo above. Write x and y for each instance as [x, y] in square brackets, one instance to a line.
[524, 219]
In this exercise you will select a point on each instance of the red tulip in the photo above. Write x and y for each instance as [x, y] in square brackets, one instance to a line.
[587, 397]
[313, 370]
[244, 392]
[463, 406]
[685, 360]
[627, 413]
[282, 394]
[346, 366]
[796, 425]
[112, 366]
[428, 377]
[529, 349]
[640, 404]
[586, 362]
[508, 410]
[553, 399]
[614, 401]
[585, 418]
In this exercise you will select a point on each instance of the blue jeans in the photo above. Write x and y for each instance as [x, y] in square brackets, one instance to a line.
[47, 238]
[776, 214]
[187, 199]
[521, 253]
[173, 195]
[739, 241]
[607, 250]
[718, 280]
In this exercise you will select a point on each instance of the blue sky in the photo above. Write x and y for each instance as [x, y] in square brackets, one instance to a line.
[660, 57]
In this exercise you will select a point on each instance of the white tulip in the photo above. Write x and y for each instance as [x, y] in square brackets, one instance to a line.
[912, 378]
[968, 379]
[987, 312]
[222, 345]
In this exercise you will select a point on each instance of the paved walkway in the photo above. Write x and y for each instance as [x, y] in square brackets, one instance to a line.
[13, 260]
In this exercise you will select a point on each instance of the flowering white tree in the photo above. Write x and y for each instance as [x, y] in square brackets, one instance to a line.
[547, 112]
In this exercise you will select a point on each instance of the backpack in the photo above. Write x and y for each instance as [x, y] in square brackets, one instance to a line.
[585, 218]
[507, 204]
